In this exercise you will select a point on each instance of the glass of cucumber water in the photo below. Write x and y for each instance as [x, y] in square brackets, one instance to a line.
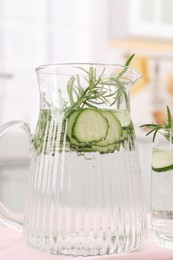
[85, 194]
[162, 187]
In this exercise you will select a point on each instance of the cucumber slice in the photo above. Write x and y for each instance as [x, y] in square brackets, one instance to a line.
[73, 142]
[114, 132]
[124, 118]
[71, 121]
[162, 160]
[90, 126]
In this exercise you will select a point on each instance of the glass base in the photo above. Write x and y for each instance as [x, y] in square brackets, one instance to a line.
[86, 245]
[164, 240]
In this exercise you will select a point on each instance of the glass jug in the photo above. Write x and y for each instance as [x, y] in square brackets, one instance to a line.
[85, 194]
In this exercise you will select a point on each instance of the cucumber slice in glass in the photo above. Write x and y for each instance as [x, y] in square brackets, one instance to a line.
[71, 121]
[114, 132]
[162, 160]
[90, 126]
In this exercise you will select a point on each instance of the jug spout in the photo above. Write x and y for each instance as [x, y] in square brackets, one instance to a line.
[135, 76]
[124, 78]
[127, 75]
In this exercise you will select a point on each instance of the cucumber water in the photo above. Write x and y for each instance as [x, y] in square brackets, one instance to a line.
[162, 195]
[85, 130]
[88, 172]
[162, 160]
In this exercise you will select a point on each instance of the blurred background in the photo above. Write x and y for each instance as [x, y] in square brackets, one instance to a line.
[39, 32]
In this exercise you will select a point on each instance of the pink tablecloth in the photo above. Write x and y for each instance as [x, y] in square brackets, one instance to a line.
[13, 247]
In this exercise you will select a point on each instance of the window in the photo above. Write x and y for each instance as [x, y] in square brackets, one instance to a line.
[33, 33]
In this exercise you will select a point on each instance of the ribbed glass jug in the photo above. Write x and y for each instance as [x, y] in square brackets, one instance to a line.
[85, 194]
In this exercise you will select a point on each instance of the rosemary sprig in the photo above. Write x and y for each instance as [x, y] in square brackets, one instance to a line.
[168, 125]
[121, 91]
[99, 90]
[126, 65]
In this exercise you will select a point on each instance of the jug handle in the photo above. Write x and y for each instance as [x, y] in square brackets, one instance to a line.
[7, 216]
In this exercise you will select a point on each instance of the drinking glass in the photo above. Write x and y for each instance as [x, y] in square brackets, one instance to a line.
[162, 188]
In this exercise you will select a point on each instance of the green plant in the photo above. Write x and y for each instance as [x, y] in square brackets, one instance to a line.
[155, 128]
[99, 89]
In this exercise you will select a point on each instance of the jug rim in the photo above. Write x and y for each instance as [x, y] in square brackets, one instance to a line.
[43, 68]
